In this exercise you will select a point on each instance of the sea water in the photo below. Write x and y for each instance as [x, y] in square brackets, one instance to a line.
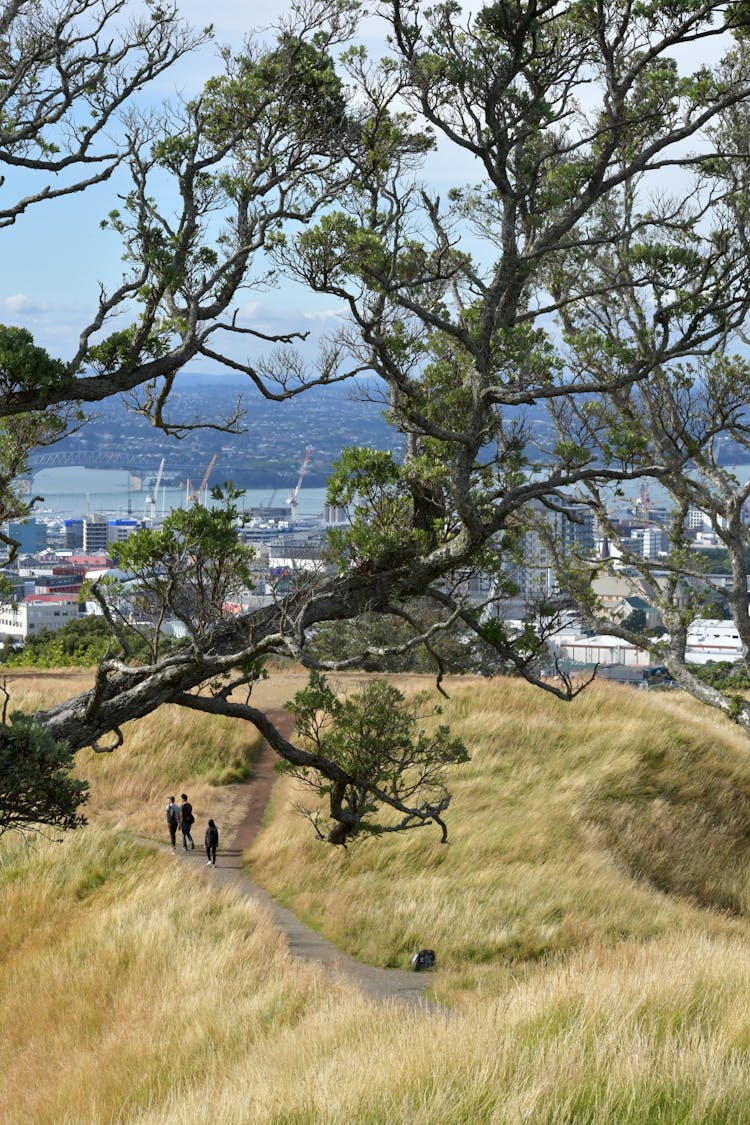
[73, 492]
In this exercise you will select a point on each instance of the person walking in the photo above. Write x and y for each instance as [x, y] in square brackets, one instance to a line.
[212, 843]
[173, 819]
[186, 821]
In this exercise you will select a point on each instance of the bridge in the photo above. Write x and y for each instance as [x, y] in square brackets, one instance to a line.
[96, 459]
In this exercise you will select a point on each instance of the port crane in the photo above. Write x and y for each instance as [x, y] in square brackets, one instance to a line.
[292, 498]
[149, 507]
[643, 515]
[643, 504]
[195, 495]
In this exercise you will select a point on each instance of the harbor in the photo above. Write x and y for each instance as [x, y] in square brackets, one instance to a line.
[73, 492]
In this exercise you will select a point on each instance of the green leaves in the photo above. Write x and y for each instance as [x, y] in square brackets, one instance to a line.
[374, 737]
[738, 18]
[126, 349]
[369, 484]
[572, 455]
[191, 566]
[338, 246]
[294, 85]
[26, 367]
[36, 788]
[80, 643]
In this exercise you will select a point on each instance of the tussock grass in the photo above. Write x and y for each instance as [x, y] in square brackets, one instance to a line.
[552, 842]
[168, 752]
[584, 988]
[132, 993]
[117, 969]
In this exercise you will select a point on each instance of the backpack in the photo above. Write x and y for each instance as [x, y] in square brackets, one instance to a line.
[187, 814]
[424, 959]
[173, 814]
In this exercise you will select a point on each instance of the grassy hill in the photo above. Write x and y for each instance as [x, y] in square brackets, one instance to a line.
[165, 753]
[622, 816]
[590, 918]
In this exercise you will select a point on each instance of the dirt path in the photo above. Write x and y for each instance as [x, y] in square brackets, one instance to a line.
[383, 984]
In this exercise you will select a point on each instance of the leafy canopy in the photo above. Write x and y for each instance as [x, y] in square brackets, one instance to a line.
[375, 739]
[37, 789]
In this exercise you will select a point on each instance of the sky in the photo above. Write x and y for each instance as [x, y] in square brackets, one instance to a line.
[54, 258]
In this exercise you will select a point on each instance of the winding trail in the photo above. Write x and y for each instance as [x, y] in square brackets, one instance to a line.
[382, 984]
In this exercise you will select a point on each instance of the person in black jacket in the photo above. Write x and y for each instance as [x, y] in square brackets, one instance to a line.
[212, 843]
[186, 821]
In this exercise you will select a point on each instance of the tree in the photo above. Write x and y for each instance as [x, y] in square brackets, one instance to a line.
[564, 274]
[263, 144]
[678, 424]
[67, 75]
[188, 568]
[81, 642]
[400, 642]
[67, 72]
[636, 620]
[37, 790]
[381, 755]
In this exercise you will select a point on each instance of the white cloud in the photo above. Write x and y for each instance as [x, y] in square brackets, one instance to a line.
[286, 314]
[20, 305]
[325, 314]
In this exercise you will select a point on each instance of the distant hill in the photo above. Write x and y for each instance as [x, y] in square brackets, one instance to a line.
[268, 453]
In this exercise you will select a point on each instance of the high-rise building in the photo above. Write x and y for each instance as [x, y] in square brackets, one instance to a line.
[95, 534]
[30, 535]
[561, 532]
[73, 534]
[118, 530]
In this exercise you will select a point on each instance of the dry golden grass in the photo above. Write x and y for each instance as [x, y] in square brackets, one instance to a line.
[537, 865]
[583, 990]
[118, 968]
[169, 752]
[601, 1041]
[132, 993]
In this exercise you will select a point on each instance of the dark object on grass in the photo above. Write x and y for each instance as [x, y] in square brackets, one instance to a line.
[424, 959]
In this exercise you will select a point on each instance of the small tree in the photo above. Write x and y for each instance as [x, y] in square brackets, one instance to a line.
[385, 759]
[187, 568]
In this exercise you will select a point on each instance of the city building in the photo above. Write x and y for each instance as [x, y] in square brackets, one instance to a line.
[334, 515]
[603, 649]
[118, 530]
[73, 534]
[95, 534]
[28, 534]
[711, 639]
[37, 612]
[564, 532]
[650, 542]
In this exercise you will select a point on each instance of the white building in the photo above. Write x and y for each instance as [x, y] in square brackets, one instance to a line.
[709, 639]
[697, 520]
[603, 649]
[40, 611]
[334, 516]
[118, 530]
[649, 542]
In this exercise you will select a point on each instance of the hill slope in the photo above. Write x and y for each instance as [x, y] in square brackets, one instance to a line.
[622, 815]
[590, 976]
